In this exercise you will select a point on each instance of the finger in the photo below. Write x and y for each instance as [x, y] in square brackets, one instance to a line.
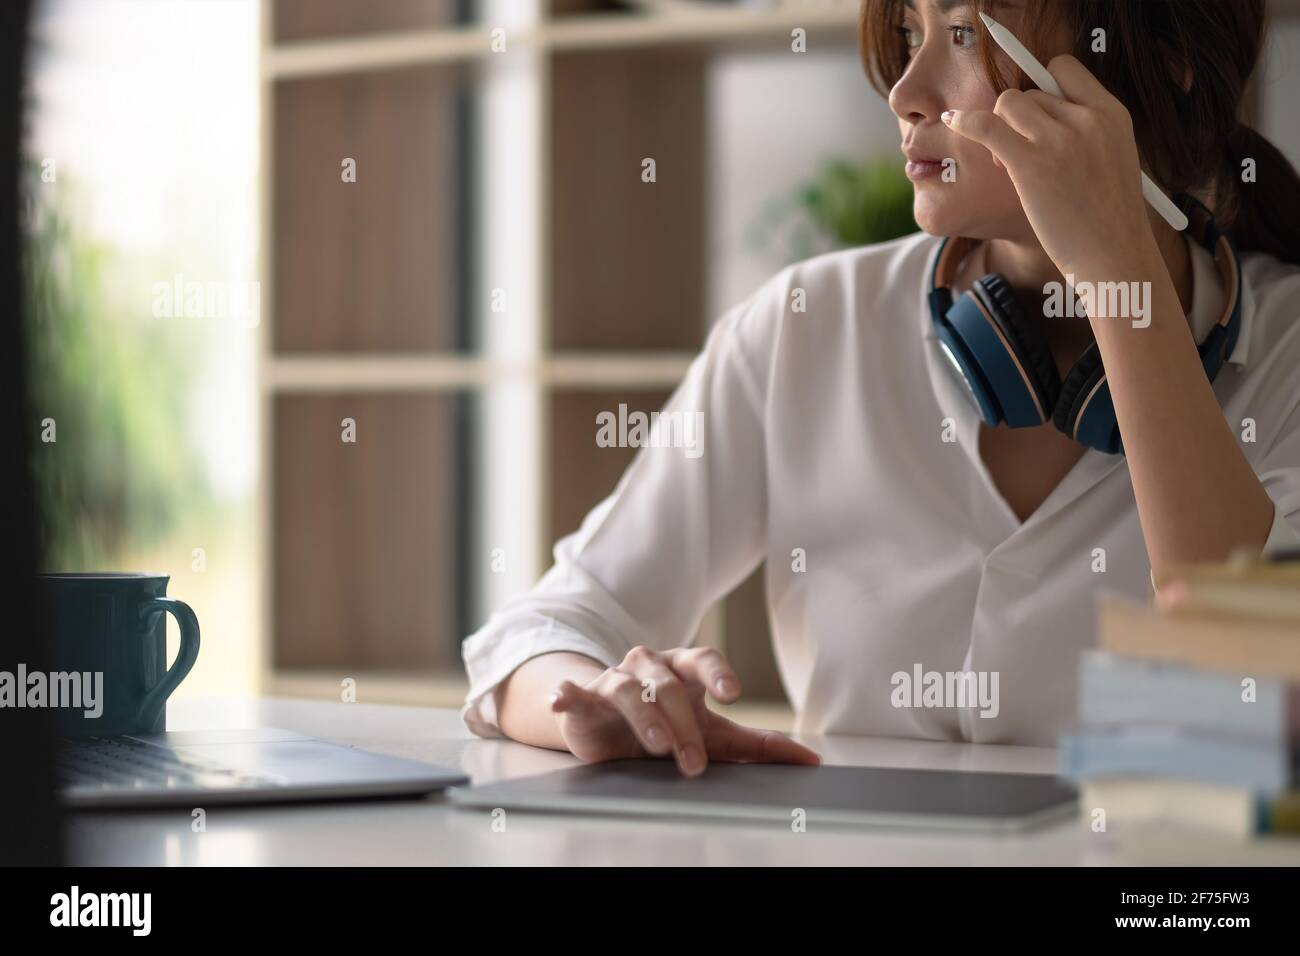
[1171, 596]
[665, 721]
[1025, 115]
[732, 742]
[673, 699]
[706, 666]
[622, 692]
[671, 702]
[1077, 82]
[991, 132]
[1068, 114]
[569, 698]
[667, 712]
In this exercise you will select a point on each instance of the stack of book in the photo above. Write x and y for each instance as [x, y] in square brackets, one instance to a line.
[1190, 711]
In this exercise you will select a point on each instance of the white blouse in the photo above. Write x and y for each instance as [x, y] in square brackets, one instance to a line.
[889, 550]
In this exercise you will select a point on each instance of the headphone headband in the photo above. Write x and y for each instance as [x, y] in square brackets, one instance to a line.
[1221, 340]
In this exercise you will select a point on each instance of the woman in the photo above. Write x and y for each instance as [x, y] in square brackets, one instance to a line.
[907, 529]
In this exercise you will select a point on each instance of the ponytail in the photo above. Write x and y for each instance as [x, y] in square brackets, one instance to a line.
[1259, 201]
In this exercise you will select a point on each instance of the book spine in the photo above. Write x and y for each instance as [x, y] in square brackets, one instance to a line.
[1217, 644]
[1116, 690]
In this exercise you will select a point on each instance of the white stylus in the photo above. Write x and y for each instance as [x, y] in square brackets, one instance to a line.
[1038, 73]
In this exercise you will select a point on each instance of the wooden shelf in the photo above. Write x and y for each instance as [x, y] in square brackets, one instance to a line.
[607, 370]
[407, 372]
[370, 264]
[379, 52]
[627, 257]
[583, 31]
[594, 31]
[297, 20]
[446, 690]
[365, 565]
[714, 27]
[431, 689]
[470, 178]
[581, 473]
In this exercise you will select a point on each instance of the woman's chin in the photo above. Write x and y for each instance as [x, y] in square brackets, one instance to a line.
[939, 215]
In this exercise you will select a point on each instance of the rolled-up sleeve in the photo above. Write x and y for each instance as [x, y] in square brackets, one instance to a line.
[679, 531]
[1280, 476]
[1283, 535]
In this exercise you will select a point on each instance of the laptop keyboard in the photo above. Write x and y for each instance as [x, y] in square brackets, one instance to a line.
[105, 764]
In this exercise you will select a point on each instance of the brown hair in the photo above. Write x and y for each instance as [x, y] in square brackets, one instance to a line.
[1191, 140]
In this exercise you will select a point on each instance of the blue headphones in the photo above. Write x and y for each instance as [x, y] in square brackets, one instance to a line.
[1006, 366]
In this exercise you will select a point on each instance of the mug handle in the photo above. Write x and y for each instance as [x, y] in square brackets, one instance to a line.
[185, 657]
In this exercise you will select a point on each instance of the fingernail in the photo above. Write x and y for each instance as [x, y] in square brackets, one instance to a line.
[653, 735]
[947, 116]
[1171, 595]
[724, 685]
[690, 759]
[554, 696]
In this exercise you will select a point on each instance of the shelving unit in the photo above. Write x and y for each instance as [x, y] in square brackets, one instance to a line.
[476, 171]
[579, 29]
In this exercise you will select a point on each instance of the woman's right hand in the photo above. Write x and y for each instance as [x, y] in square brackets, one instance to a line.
[652, 704]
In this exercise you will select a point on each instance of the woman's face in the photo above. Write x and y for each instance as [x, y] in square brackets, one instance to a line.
[972, 196]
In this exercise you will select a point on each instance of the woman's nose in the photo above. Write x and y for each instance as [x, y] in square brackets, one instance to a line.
[915, 97]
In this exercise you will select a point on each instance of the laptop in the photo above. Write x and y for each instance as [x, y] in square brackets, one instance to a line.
[233, 766]
[831, 795]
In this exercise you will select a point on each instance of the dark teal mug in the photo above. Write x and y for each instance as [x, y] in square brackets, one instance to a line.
[108, 634]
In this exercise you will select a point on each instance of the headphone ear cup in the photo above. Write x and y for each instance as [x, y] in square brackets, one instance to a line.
[1090, 415]
[1030, 348]
[1077, 386]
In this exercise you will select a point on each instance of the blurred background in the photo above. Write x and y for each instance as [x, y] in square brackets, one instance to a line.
[326, 294]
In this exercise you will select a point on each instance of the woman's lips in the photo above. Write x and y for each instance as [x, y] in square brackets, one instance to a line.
[919, 169]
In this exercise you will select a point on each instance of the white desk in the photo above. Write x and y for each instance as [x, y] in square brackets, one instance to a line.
[433, 832]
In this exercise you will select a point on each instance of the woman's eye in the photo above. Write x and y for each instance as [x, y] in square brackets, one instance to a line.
[911, 39]
[963, 37]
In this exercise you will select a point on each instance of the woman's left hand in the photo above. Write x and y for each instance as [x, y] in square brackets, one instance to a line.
[1074, 165]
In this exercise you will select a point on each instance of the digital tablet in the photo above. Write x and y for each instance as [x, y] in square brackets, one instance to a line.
[841, 796]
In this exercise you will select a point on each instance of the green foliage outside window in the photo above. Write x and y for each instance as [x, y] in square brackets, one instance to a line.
[105, 378]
